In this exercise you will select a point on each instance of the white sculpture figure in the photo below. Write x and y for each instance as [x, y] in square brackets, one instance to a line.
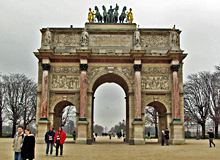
[137, 37]
[47, 36]
[174, 37]
[84, 38]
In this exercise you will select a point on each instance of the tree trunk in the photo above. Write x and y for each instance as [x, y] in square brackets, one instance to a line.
[0, 123]
[203, 130]
[216, 131]
[156, 132]
[13, 130]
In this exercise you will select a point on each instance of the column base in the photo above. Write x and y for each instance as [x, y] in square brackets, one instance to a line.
[43, 126]
[177, 137]
[82, 119]
[138, 133]
[82, 132]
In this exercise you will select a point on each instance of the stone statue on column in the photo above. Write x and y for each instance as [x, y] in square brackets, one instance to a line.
[48, 36]
[174, 39]
[84, 38]
[47, 39]
[137, 40]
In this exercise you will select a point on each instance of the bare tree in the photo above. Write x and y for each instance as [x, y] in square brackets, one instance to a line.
[151, 116]
[197, 92]
[69, 113]
[98, 129]
[19, 88]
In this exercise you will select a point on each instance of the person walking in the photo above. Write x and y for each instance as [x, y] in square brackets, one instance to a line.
[162, 137]
[27, 150]
[59, 139]
[49, 138]
[211, 137]
[110, 135]
[74, 135]
[17, 143]
[167, 132]
[148, 134]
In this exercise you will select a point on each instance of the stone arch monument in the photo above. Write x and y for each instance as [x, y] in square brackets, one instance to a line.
[144, 62]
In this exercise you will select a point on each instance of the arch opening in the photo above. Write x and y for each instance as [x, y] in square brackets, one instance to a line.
[155, 120]
[111, 101]
[65, 116]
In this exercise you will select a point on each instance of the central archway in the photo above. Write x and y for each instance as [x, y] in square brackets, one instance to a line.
[113, 78]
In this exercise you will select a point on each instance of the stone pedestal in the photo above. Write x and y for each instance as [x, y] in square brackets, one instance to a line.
[82, 132]
[177, 133]
[138, 132]
[43, 127]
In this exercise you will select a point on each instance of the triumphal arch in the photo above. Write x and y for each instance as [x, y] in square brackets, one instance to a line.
[145, 62]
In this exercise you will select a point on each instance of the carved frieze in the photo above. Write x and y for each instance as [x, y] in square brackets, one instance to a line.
[156, 70]
[66, 40]
[155, 41]
[65, 82]
[64, 69]
[127, 72]
[155, 83]
[110, 40]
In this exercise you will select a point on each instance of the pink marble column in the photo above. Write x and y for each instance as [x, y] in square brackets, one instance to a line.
[44, 93]
[83, 92]
[176, 98]
[137, 91]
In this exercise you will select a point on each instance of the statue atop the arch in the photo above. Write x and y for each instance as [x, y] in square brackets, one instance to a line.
[130, 16]
[91, 15]
[110, 15]
[47, 37]
[84, 38]
[174, 39]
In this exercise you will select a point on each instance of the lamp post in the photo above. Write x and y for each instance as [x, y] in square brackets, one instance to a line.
[197, 131]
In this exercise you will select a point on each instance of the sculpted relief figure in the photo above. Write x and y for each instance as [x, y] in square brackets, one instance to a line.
[84, 38]
[48, 37]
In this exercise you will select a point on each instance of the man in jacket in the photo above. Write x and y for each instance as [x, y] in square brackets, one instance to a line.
[49, 139]
[167, 132]
[211, 137]
[18, 142]
[59, 139]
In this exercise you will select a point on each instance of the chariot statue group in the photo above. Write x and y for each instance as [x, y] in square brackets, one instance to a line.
[110, 16]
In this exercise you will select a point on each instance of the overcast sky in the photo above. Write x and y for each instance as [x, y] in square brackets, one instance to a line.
[199, 21]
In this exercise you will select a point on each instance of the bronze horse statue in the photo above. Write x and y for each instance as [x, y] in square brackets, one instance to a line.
[98, 15]
[123, 15]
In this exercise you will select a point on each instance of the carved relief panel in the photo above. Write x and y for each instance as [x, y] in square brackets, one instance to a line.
[155, 83]
[66, 39]
[149, 40]
[65, 82]
[155, 70]
[64, 69]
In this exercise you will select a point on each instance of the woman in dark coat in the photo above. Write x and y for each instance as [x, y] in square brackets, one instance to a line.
[27, 150]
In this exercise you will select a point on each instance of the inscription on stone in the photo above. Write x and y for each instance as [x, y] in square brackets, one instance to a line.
[155, 83]
[65, 82]
[110, 40]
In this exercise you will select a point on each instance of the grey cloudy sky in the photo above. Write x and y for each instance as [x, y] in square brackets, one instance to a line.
[199, 21]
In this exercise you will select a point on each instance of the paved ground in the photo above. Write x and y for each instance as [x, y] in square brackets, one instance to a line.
[104, 149]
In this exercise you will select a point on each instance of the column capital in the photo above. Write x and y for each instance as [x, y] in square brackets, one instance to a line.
[175, 68]
[83, 67]
[45, 66]
[137, 67]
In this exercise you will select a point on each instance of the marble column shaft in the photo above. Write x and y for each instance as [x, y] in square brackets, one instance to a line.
[137, 91]
[83, 91]
[44, 94]
[176, 98]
